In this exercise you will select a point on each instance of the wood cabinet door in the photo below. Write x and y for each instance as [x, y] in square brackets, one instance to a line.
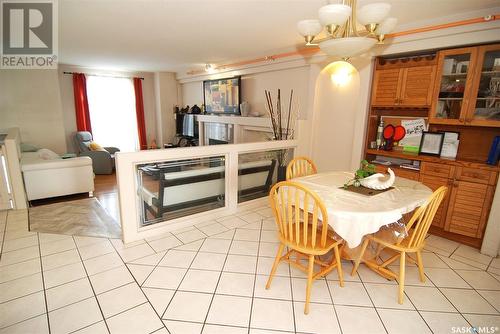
[434, 183]
[469, 208]
[386, 86]
[417, 86]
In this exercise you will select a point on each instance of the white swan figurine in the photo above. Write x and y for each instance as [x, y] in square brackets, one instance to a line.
[377, 182]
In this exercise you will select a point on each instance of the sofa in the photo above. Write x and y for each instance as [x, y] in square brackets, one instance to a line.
[46, 175]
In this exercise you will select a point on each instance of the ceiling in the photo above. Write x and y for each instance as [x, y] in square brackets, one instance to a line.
[176, 35]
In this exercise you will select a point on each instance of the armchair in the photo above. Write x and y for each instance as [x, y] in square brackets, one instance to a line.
[103, 162]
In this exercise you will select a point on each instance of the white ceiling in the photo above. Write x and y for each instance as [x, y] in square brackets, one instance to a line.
[175, 35]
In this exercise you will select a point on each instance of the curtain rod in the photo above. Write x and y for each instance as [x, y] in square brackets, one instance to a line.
[102, 75]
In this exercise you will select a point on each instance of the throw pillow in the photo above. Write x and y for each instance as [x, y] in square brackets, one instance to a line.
[25, 147]
[46, 154]
[93, 146]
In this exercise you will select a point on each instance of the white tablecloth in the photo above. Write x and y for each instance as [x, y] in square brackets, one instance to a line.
[353, 215]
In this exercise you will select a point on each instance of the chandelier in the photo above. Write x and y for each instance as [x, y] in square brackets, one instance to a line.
[340, 20]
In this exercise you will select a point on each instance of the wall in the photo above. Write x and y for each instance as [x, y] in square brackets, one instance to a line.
[68, 105]
[31, 100]
[166, 98]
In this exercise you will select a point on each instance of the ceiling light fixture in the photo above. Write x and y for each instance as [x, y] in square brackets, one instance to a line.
[209, 68]
[340, 20]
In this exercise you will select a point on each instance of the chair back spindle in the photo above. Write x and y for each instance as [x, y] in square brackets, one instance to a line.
[300, 166]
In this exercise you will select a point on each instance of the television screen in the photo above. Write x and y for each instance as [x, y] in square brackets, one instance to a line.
[222, 96]
[189, 126]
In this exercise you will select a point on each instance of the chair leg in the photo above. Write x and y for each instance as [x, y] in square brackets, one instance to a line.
[309, 283]
[420, 264]
[275, 265]
[339, 265]
[358, 260]
[402, 266]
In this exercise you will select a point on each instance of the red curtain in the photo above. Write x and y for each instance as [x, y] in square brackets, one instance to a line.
[139, 109]
[81, 103]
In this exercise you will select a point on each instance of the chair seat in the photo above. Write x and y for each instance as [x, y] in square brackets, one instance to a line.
[309, 249]
[403, 244]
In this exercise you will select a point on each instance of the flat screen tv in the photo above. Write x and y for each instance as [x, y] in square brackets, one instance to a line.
[222, 96]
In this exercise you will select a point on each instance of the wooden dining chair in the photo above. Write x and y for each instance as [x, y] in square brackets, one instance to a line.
[416, 228]
[304, 233]
[300, 166]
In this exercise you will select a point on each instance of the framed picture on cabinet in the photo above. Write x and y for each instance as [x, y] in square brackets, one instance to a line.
[431, 143]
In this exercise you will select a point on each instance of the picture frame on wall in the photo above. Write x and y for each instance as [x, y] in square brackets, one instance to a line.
[431, 143]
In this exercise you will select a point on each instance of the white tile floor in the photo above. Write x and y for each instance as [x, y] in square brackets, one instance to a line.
[210, 279]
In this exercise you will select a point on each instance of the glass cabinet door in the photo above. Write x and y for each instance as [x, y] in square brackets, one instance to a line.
[455, 72]
[485, 107]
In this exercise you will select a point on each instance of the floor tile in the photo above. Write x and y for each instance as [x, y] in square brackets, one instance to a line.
[403, 321]
[177, 258]
[251, 217]
[429, 299]
[265, 212]
[444, 322]
[232, 222]
[97, 328]
[190, 236]
[468, 301]
[493, 297]
[50, 237]
[200, 281]
[239, 247]
[188, 306]
[354, 320]
[228, 235]
[441, 243]
[431, 260]
[218, 329]
[193, 246]
[472, 263]
[18, 270]
[134, 253]
[246, 235]
[352, 293]
[22, 233]
[19, 255]
[20, 287]
[159, 298]
[481, 320]
[68, 293]
[102, 263]
[215, 246]
[455, 264]
[38, 325]
[472, 254]
[479, 280]
[347, 269]
[446, 278]
[60, 259]
[230, 310]
[319, 291]
[165, 278]
[165, 243]
[15, 244]
[236, 284]
[83, 241]
[265, 264]
[268, 249]
[96, 249]
[63, 274]
[120, 299]
[150, 260]
[208, 261]
[369, 276]
[119, 245]
[140, 272]
[272, 314]
[74, 316]
[54, 247]
[182, 327]
[139, 320]
[110, 279]
[385, 295]
[212, 229]
[412, 276]
[321, 319]
[280, 288]
[21, 309]
[269, 236]
[241, 264]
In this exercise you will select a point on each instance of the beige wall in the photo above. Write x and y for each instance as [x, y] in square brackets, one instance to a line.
[166, 98]
[30, 100]
[68, 104]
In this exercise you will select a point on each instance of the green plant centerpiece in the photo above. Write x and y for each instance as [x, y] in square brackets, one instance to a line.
[365, 169]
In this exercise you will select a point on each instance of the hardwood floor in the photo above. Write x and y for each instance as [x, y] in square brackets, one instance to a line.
[106, 191]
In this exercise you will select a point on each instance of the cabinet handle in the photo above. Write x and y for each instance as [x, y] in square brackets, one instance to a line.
[461, 120]
[396, 101]
[455, 183]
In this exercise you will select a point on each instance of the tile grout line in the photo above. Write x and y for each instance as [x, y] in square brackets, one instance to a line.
[92, 287]
[254, 279]
[43, 283]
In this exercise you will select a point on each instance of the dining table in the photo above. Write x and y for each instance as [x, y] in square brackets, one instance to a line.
[353, 215]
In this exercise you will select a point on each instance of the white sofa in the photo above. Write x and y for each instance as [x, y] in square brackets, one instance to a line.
[47, 175]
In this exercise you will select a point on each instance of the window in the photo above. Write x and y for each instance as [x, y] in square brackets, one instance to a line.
[112, 112]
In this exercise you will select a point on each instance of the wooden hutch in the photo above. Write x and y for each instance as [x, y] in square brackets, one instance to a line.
[453, 90]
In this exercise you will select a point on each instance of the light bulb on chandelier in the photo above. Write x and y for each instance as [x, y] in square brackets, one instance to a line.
[341, 72]
[341, 20]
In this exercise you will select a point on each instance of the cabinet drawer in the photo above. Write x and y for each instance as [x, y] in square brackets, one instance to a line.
[476, 175]
[441, 170]
[399, 172]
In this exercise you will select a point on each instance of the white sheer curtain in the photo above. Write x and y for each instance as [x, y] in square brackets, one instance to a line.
[112, 112]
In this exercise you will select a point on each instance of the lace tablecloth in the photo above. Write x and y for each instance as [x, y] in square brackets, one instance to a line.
[353, 215]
